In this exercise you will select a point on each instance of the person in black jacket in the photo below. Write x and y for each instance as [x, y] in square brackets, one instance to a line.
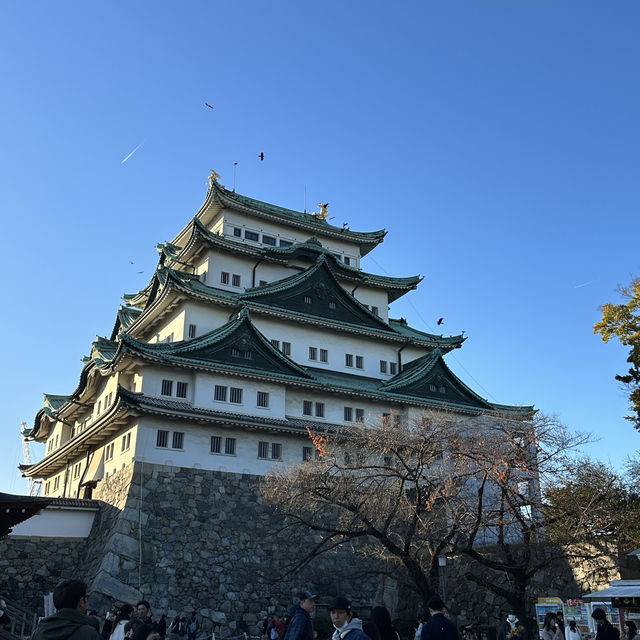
[606, 631]
[300, 627]
[439, 626]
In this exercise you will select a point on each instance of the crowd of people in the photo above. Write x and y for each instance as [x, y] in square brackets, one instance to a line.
[72, 621]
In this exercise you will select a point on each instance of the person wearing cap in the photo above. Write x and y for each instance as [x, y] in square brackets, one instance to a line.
[300, 627]
[346, 626]
[606, 631]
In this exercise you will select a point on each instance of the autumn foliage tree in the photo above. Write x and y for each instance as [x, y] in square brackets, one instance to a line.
[622, 322]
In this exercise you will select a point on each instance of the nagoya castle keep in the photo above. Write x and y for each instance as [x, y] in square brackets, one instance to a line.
[258, 325]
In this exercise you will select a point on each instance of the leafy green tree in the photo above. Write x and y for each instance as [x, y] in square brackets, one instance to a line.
[622, 321]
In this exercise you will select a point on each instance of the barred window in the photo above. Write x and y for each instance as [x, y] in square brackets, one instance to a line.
[276, 343]
[307, 407]
[220, 393]
[359, 362]
[216, 444]
[224, 277]
[167, 387]
[313, 353]
[192, 330]
[270, 240]
[235, 395]
[251, 235]
[230, 446]
[263, 449]
[181, 389]
[286, 348]
[393, 368]
[162, 439]
[307, 454]
[324, 355]
[262, 399]
[348, 360]
[359, 415]
[235, 280]
[348, 414]
[276, 450]
[383, 366]
[177, 440]
[320, 409]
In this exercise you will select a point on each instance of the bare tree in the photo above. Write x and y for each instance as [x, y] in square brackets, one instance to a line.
[439, 484]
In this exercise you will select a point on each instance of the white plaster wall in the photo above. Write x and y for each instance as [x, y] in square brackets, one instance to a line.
[206, 318]
[152, 381]
[54, 522]
[338, 344]
[174, 325]
[281, 231]
[219, 262]
[334, 407]
[197, 446]
[373, 297]
[121, 458]
[204, 388]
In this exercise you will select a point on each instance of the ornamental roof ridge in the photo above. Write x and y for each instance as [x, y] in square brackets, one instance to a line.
[235, 200]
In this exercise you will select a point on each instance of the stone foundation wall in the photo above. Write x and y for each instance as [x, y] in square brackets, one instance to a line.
[188, 539]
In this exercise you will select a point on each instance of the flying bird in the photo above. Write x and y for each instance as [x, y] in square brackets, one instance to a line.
[440, 321]
[206, 104]
[261, 155]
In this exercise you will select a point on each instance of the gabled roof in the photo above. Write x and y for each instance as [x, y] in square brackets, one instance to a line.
[429, 377]
[236, 346]
[400, 325]
[316, 292]
[125, 317]
[232, 200]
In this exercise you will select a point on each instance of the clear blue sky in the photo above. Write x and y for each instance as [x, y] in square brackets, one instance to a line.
[497, 140]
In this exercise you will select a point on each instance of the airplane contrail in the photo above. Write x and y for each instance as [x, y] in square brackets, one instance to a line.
[127, 157]
[584, 284]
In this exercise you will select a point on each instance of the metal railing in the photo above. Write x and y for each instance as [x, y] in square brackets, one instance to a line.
[22, 621]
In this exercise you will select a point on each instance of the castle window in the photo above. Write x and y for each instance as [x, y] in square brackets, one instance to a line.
[167, 388]
[56, 483]
[432, 387]
[181, 389]
[307, 454]
[285, 243]
[216, 444]
[348, 414]
[237, 353]
[359, 415]
[348, 360]
[192, 331]
[235, 280]
[178, 440]
[47, 487]
[276, 343]
[347, 260]
[286, 348]
[270, 240]
[230, 446]
[307, 408]
[237, 232]
[220, 393]
[262, 283]
[251, 235]
[76, 470]
[262, 399]
[374, 310]
[324, 355]
[442, 389]
[126, 442]
[332, 305]
[308, 299]
[108, 452]
[320, 409]
[383, 366]
[313, 353]
[235, 395]
[98, 407]
[224, 277]
[276, 450]
[359, 362]
[263, 449]
[162, 439]
[393, 368]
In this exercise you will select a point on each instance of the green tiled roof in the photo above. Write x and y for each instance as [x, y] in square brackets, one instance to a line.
[401, 326]
[125, 317]
[54, 402]
[367, 240]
